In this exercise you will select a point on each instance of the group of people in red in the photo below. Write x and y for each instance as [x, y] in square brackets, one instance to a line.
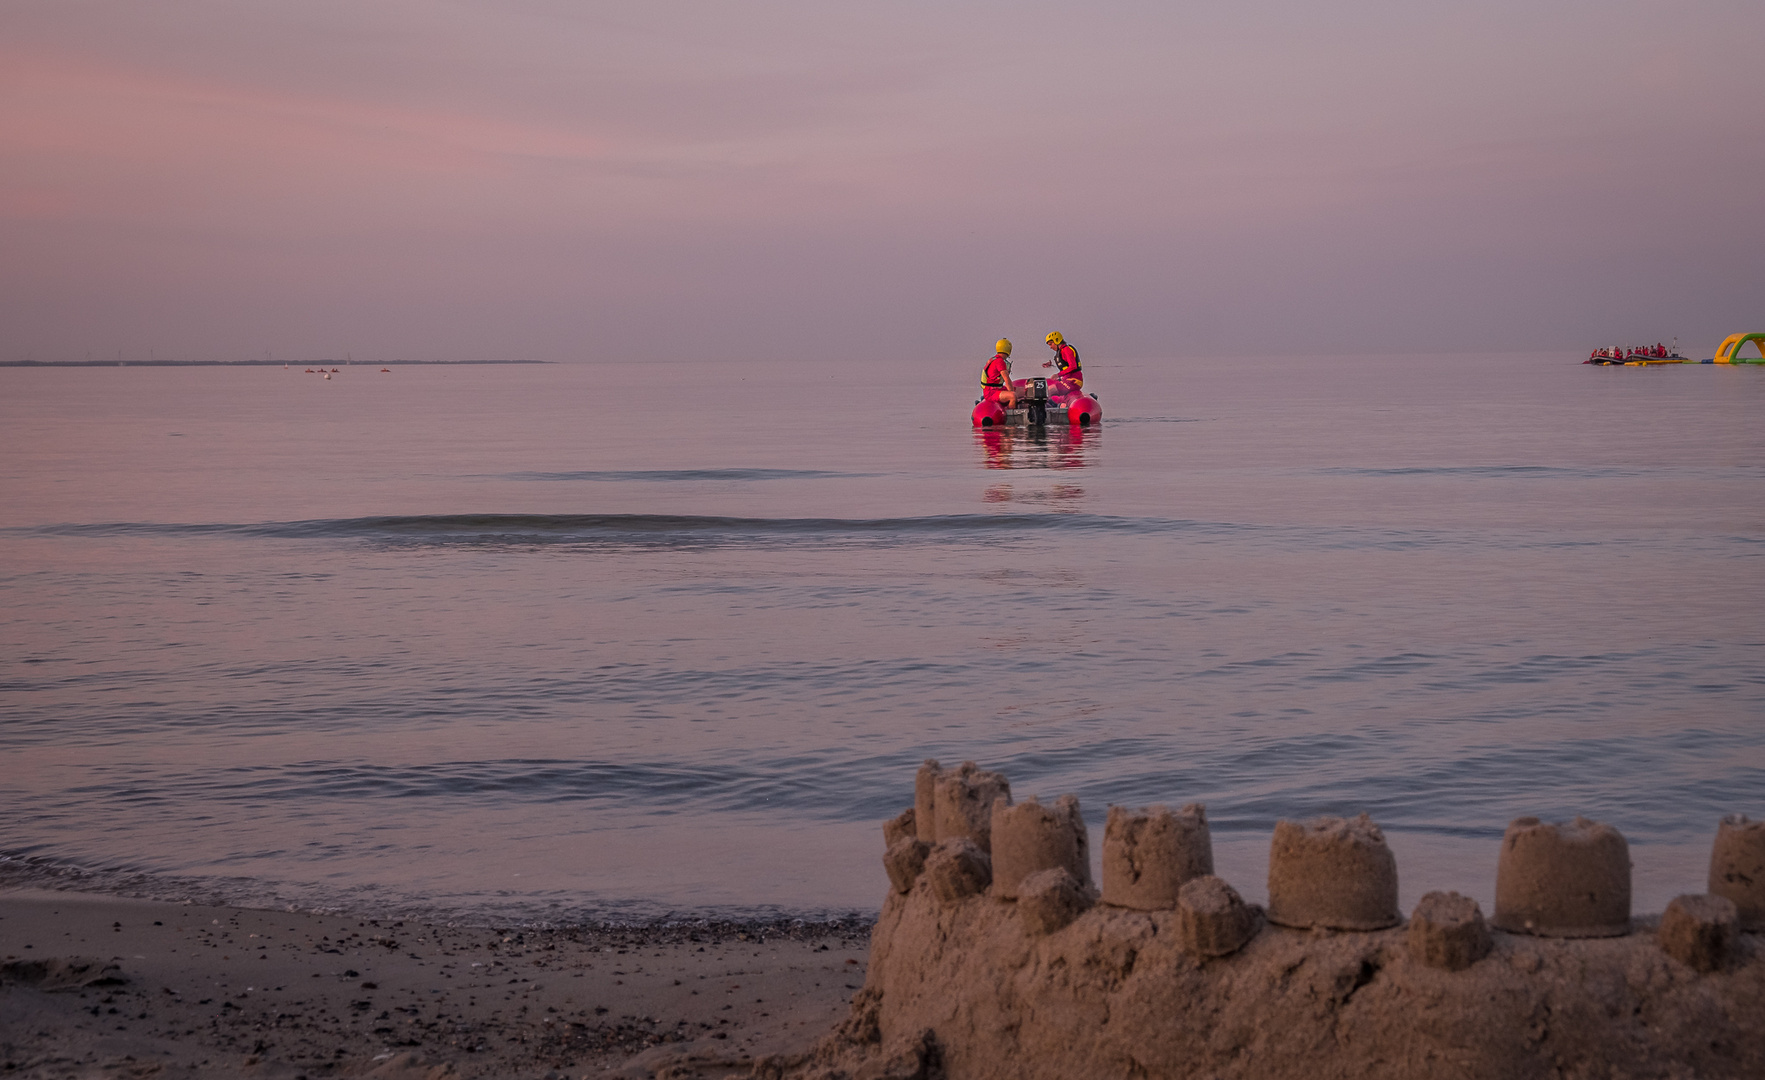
[1068, 381]
[1618, 353]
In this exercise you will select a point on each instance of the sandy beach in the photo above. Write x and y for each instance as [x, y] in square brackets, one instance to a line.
[96, 986]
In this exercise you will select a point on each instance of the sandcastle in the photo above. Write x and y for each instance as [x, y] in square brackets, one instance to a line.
[996, 956]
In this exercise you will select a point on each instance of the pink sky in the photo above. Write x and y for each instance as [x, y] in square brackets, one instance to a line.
[567, 180]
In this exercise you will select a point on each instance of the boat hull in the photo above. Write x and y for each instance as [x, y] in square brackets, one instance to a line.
[1080, 413]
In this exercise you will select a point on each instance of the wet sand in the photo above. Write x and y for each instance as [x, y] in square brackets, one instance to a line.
[96, 986]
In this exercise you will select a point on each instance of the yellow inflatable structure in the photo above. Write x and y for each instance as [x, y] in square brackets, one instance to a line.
[1729, 351]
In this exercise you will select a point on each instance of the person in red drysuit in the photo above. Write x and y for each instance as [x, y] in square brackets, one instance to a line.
[996, 376]
[1069, 377]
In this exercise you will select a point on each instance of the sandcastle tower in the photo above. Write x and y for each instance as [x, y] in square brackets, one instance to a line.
[1151, 853]
[1565, 880]
[1447, 931]
[1332, 873]
[1699, 931]
[1029, 838]
[1212, 919]
[1737, 868]
[952, 803]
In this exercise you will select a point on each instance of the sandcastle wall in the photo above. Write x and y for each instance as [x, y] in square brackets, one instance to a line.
[1050, 978]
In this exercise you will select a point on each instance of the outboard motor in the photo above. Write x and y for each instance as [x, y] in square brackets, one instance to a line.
[1036, 402]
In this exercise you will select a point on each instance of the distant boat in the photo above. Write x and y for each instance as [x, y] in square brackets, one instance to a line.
[1648, 356]
[1637, 355]
[386, 370]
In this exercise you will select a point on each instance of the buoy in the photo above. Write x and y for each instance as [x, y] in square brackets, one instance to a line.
[1083, 411]
[988, 414]
[327, 374]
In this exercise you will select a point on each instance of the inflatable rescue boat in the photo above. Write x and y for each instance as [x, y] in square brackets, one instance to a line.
[1036, 409]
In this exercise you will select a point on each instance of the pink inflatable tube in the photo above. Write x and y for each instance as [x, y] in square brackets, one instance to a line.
[1083, 411]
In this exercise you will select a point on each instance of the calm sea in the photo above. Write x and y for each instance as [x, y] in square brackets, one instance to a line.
[576, 641]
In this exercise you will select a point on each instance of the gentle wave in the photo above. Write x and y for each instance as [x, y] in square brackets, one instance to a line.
[344, 693]
[830, 787]
[540, 527]
[1491, 472]
[653, 531]
[1249, 782]
[676, 475]
[1724, 470]
[1471, 794]
[30, 869]
[630, 530]
[1117, 421]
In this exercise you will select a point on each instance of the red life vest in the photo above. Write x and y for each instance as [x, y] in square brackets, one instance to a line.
[997, 374]
[1066, 361]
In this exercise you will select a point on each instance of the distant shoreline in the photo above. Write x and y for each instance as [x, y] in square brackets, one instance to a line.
[251, 363]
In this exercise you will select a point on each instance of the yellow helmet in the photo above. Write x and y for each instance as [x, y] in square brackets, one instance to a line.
[1055, 339]
[1004, 346]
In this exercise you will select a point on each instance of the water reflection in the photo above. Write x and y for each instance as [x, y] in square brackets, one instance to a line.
[1055, 498]
[1055, 447]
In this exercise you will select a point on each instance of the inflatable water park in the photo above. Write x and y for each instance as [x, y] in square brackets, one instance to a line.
[1729, 352]
[1036, 402]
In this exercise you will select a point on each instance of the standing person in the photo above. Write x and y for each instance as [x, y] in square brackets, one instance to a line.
[996, 376]
[1069, 377]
